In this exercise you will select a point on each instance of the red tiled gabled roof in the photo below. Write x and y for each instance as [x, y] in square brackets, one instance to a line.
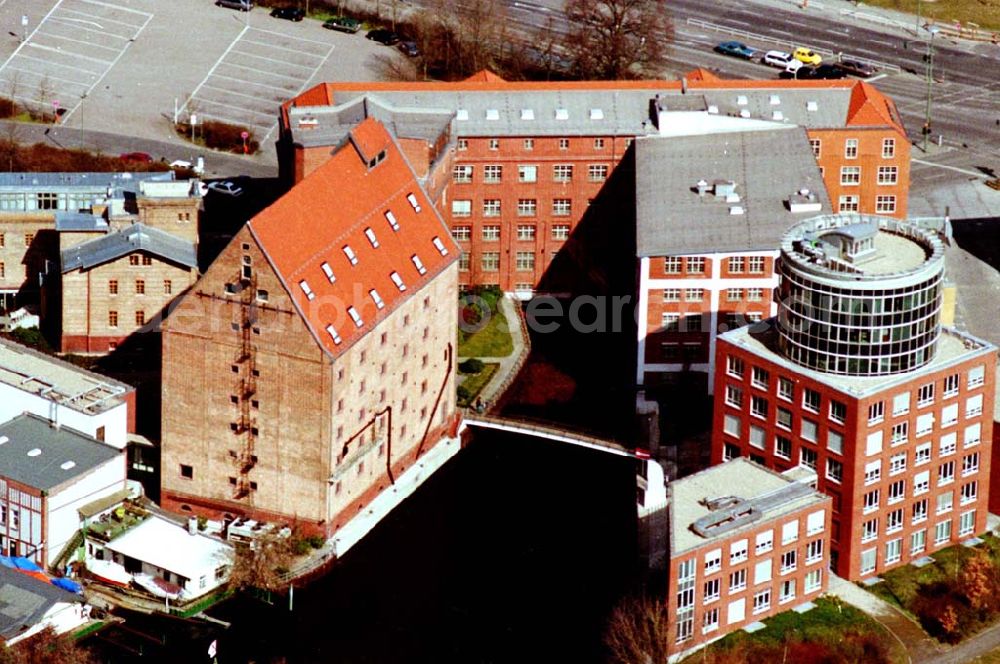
[485, 76]
[345, 206]
[870, 107]
[370, 138]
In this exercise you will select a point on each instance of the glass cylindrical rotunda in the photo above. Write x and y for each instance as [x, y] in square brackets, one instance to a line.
[859, 295]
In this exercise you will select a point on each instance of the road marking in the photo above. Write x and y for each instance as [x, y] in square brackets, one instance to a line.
[283, 48]
[215, 66]
[110, 6]
[257, 71]
[79, 20]
[261, 85]
[77, 41]
[951, 168]
[209, 86]
[59, 19]
[133, 26]
[56, 49]
[37, 28]
[49, 76]
[261, 57]
[301, 39]
[49, 62]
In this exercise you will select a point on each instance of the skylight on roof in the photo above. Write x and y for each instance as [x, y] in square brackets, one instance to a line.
[439, 245]
[398, 280]
[328, 271]
[355, 316]
[304, 285]
[333, 334]
[66, 465]
[775, 100]
[413, 201]
[370, 234]
[492, 114]
[597, 114]
[562, 114]
[744, 113]
[377, 299]
[777, 115]
[741, 100]
[812, 106]
[351, 256]
[33, 452]
[4, 439]
[391, 218]
[461, 114]
[527, 114]
[419, 264]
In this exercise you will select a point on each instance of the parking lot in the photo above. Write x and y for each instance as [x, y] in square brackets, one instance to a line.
[259, 71]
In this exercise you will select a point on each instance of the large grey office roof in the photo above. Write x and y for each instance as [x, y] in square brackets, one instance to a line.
[330, 125]
[57, 380]
[35, 453]
[137, 237]
[771, 493]
[24, 601]
[767, 165]
[88, 181]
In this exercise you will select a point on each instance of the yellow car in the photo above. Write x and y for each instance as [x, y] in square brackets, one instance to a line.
[807, 56]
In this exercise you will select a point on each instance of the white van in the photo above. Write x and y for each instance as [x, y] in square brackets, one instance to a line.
[778, 59]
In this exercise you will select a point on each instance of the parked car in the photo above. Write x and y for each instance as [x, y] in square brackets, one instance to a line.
[227, 187]
[778, 59]
[737, 49]
[136, 157]
[289, 13]
[409, 48]
[242, 5]
[383, 36]
[856, 68]
[822, 72]
[807, 56]
[343, 24]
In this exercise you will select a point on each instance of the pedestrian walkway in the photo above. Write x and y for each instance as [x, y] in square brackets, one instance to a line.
[919, 646]
[511, 364]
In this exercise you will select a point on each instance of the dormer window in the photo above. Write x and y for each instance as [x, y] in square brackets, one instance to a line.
[492, 114]
[439, 245]
[391, 218]
[351, 256]
[370, 234]
[419, 264]
[333, 334]
[413, 202]
[304, 285]
[398, 280]
[461, 114]
[377, 299]
[328, 271]
[741, 100]
[527, 114]
[562, 114]
[597, 114]
[355, 316]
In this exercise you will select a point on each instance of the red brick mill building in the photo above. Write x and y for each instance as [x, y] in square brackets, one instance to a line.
[857, 380]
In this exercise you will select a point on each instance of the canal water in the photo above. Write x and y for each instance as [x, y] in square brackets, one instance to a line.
[516, 551]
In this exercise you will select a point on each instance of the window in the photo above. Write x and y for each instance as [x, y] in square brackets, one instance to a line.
[187, 472]
[764, 542]
[813, 580]
[694, 294]
[734, 366]
[756, 265]
[834, 470]
[789, 561]
[710, 621]
[869, 530]
[671, 294]
[816, 145]
[897, 463]
[970, 464]
[921, 482]
[966, 523]
[787, 591]
[736, 264]
[560, 231]
[900, 433]
[669, 321]
[919, 511]
[949, 415]
[527, 207]
[736, 611]
[851, 148]
[133, 259]
[491, 207]
[490, 261]
[945, 502]
[894, 521]
[685, 599]
[460, 233]
[527, 173]
[976, 376]
[491, 233]
[922, 454]
[783, 448]
[525, 232]
[492, 173]
[758, 407]
[808, 431]
[762, 572]
[807, 458]
[838, 411]
[850, 175]
[873, 471]
[598, 143]
[950, 386]
[885, 203]
[848, 204]
[876, 412]
[946, 473]
[737, 581]
[942, 532]
[948, 444]
[789, 532]
[888, 148]
[784, 419]
[918, 542]
[711, 591]
[713, 561]
[734, 396]
[810, 400]
[494, 144]
[597, 172]
[147, 260]
[893, 551]
[561, 207]
[562, 173]
[901, 404]
[888, 174]
[112, 319]
[974, 406]
[969, 492]
[168, 289]
[786, 389]
[814, 551]
[734, 294]
[113, 287]
[525, 260]
[140, 287]
[871, 501]
[464, 261]
[672, 265]
[835, 442]
[873, 443]
[738, 551]
[528, 144]
[760, 378]
[564, 144]
[815, 522]
[762, 601]
[868, 561]
[140, 318]
[461, 174]
[972, 435]
[695, 265]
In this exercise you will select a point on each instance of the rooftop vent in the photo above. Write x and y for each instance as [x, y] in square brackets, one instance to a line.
[720, 502]
[33, 452]
[744, 113]
[733, 198]
[741, 100]
[492, 114]
[723, 188]
[66, 465]
[812, 106]
[562, 114]
[702, 186]
[462, 114]
[775, 100]
[804, 201]
[735, 210]
[4, 439]
[527, 114]
[597, 114]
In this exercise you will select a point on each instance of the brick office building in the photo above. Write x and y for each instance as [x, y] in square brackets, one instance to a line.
[745, 543]
[530, 157]
[314, 362]
[857, 380]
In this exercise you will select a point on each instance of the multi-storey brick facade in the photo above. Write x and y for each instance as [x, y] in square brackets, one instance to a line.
[903, 450]
[314, 362]
[745, 543]
[530, 157]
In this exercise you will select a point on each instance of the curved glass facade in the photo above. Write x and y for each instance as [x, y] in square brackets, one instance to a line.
[837, 318]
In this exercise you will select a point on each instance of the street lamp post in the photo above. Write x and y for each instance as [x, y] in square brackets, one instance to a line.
[930, 81]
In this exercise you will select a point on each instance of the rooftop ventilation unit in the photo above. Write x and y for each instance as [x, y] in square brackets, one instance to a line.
[741, 100]
[775, 100]
[713, 109]
[736, 210]
[777, 115]
[733, 198]
[723, 188]
[462, 114]
[702, 186]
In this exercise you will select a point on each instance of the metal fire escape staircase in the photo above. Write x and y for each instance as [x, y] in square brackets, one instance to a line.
[246, 388]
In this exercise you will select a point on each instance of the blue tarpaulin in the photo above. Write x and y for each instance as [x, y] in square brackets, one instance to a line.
[25, 564]
[67, 584]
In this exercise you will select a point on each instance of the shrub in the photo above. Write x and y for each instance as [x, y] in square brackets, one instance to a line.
[301, 547]
[471, 366]
[30, 336]
[220, 136]
[316, 541]
[202, 522]
[464, 395]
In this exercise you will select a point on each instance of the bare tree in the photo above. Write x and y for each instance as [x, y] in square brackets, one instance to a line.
[261, 563]
[638, 631]
[46, 647]
[618, 39]
[45, 97]
[391, 67]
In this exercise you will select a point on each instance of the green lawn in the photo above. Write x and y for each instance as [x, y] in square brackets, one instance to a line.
[491, 341]
[475, 383]
[832, 628]
[984, 12]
